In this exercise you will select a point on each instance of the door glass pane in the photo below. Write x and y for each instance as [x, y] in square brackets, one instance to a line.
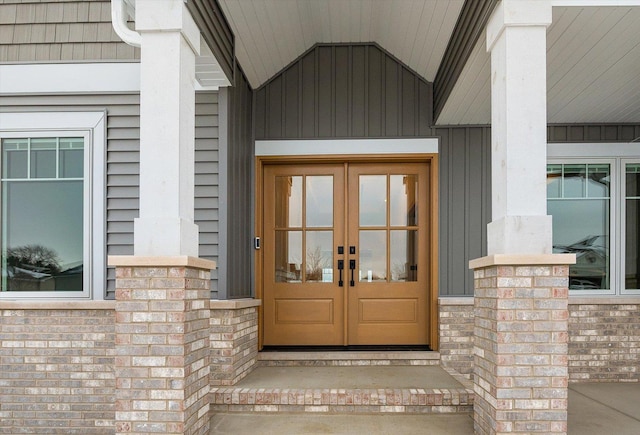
[404, 255]
[319, 201]
[288, 259]
[632, 227]
[319, 261]
[373, 200]
[404, 200]
[288, 202]
[373, 256]
[581, 222]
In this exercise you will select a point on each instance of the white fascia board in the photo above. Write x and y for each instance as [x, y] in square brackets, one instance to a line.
[600, 149]
[346, 146]
[79, 78]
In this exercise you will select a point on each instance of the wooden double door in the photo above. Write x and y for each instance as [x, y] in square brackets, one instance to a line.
[346, 254]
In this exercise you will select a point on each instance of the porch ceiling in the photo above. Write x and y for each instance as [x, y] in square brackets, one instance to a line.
[593, 65]
[270, 34]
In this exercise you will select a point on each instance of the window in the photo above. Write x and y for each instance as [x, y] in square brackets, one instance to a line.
[52, 205]
[595, 203]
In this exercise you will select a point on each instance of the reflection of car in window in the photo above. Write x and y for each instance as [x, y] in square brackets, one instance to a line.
[591, 268]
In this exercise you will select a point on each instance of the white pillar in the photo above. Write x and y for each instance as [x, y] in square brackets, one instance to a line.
[516, 38]
[170, 41]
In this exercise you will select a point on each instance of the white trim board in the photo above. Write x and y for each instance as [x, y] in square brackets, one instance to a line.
[75, 78]
[346, 146]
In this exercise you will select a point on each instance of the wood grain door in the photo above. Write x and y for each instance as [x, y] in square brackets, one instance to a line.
[346, 253]
[388, 243]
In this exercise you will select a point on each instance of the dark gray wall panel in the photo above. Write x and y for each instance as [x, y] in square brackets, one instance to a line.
[593, 133]
[237, 222]
[344, 91]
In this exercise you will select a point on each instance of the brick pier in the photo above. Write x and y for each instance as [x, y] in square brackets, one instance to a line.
[521, 344]
[162, 345]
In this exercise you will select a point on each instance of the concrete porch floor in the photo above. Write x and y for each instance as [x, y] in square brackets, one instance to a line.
[594, 408]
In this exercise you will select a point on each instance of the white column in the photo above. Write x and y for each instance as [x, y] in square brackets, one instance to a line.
[170, 41]
[516, 38]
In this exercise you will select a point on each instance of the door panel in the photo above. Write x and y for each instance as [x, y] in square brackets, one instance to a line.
[303, 225]
[388, 225]
[380, 219]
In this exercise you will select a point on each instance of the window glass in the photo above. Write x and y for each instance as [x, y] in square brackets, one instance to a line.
[632, 227]
[581, 222]
[42, 217]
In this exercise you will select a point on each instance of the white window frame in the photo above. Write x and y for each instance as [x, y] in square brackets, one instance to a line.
[623, 226]
[616, 155]
[92, 127]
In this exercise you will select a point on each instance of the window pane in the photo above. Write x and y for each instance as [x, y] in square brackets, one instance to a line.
[554, 181]
[599, 181]
[288, 256]
[373, 200]
[14, 158]
[404, 255]
[71, 158]
[574, 181]
[43, 158]
[289, 202]
[319, 261]
[373, 256]
[404, 200]
[581, 227]
[632, 227]
[319, 211]
[43, 236]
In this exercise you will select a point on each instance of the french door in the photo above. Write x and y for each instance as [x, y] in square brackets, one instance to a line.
[345, 258]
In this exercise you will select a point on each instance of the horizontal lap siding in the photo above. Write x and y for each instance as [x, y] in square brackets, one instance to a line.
[122, 164]
[49, 30]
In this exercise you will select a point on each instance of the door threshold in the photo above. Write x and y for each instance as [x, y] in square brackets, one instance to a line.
[358, 348]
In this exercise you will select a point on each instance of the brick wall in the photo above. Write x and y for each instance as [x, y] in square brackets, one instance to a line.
[234, 340]
[604, 340]
[56, 367]
[456, 334]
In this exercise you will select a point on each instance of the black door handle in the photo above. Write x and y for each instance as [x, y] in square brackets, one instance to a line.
[352, 266]
[340, 268]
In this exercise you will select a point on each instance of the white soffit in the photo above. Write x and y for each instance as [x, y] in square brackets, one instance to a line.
[270, 34]
[593, 58]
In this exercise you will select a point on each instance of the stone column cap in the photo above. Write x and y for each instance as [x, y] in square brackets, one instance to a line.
[160, 261]
[522, 260]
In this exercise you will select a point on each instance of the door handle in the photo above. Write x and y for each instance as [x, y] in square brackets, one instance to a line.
[352, 266]
[340, 268]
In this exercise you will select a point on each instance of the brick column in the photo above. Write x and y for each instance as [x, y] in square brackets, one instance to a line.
[162, 345]
[521, 343]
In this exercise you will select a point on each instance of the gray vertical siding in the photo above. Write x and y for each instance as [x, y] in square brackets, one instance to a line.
[593, 133]
[60, 30]
[236, 211]
[344, 91]
[122, 164]
[465, 204]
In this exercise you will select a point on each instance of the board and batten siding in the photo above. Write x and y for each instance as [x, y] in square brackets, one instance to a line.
[344, 91]
[236, 266]
[60, 30]
[122, 165]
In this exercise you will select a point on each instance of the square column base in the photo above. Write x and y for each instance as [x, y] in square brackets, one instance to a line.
[521, 346]
[162, 345]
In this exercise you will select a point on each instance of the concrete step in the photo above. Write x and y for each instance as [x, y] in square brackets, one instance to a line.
[365, 389]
